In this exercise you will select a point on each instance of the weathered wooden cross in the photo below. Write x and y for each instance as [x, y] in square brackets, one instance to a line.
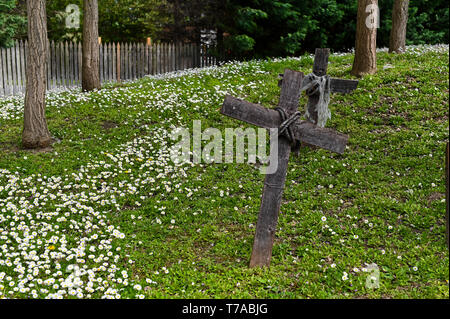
[336, 85]
[303, 131]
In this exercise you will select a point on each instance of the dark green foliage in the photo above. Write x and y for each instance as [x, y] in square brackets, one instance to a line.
[428, 22]
[12, 22]
[131, 20]
[56, 16]
[189, 18]
[251, 28]
[260, 28]
[119, 20]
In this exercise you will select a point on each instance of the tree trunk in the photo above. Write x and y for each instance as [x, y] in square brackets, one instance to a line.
[35, 131]
[90, 73]
[397, 42]
[365, 61]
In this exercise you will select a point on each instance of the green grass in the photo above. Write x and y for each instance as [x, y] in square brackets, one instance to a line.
[189, 228]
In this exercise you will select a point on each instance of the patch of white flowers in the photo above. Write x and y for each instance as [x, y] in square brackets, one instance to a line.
[57, 239]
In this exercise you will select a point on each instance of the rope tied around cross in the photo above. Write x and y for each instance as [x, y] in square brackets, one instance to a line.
[312, 85]
[321, 86]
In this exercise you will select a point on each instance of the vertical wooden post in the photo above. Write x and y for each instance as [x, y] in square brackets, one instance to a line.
[157, 59]
[147, 45]
[137, 61]
[109, 61]
[20, 66]
[58, 64]
[148, 59]
[63, 64]
[11, 70]
[130, 61]
[68, 63]
[152, 58]
[320, 69]
[3, 72]
[166, 57]
[80, 62]
[169, 60]
[76, 66]
[100, 62]
[118, 62]
[22, 61]
[105, 62]
[113, 62]
[274, 183]
[133, 62]
[142, 59]
[125, 62]
[49, 69]
[51, 65]
[2, 91]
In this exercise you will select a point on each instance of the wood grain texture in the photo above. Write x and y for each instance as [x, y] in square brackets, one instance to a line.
[304, 131]
[90, 68]
[35, 132]
[365, 61]
[343, 86]
[274, 183]
[320, 68]
[397, 40]
[117, 61]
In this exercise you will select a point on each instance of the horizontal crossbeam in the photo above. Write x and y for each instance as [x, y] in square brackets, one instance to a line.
[337, 85]
[267, 118]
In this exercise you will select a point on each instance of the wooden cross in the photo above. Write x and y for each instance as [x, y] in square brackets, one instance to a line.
[336, 85]
[274, 183]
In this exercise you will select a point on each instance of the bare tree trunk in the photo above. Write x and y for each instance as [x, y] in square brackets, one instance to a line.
[35, 131]
[90, 70]
[397, 42]
[365, 61]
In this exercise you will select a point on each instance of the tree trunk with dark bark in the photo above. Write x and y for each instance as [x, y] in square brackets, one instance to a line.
[90, 68]
[365, 61]
[35, 131]
[397, 42]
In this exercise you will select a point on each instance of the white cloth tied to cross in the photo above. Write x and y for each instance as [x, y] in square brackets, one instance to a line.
[321, 85]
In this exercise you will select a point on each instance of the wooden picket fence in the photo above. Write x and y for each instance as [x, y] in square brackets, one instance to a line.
[118, 62]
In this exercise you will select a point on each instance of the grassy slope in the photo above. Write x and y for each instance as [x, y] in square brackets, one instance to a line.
[382, 199]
